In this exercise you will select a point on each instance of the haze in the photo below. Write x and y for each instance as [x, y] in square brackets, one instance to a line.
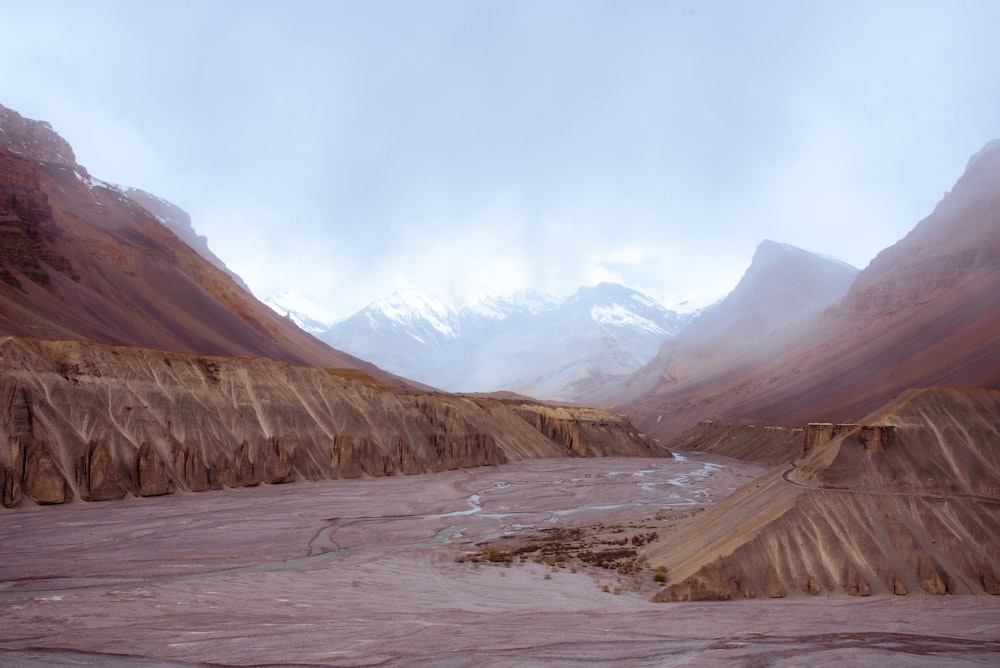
[346, 149]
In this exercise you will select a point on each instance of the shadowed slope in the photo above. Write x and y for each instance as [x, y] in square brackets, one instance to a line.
[907, 501]
[81, 259]
[925, 312]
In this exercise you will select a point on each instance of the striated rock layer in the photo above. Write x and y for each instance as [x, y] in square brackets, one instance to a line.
[94, 422]
[907, 501]
[741, 439]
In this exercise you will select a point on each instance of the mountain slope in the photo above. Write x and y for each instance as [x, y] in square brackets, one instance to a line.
[81, 259]
[904, 502]
[926, 311]
[782, 287]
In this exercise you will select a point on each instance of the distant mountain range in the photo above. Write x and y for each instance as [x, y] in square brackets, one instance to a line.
[589, 347]
[526, 342]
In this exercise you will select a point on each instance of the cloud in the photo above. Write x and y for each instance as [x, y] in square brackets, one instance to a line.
[344, 149]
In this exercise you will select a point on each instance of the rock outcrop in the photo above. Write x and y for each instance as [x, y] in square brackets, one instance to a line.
[741, 439]
[906, 501]
[90, 421]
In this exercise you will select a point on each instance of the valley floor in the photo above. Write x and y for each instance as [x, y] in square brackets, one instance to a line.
[399, 571]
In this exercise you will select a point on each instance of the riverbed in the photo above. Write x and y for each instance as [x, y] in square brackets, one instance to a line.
[370, 572]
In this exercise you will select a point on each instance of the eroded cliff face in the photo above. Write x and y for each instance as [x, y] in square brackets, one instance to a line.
[94, 422]
[906, 501]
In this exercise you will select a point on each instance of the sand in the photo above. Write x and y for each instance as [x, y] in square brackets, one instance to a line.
[364, 573]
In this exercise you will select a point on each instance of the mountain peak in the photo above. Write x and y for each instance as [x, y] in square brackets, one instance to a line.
[415, 303]
[782, 267]
[35, 140]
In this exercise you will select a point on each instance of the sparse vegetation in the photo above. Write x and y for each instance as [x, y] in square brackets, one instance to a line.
[613, 548]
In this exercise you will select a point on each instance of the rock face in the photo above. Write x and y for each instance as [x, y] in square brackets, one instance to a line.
[82, 259]
[90, 421]
[904, 502]
[741, 439]
[925, 312]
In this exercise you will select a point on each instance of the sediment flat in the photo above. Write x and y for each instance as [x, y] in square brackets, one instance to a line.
[370, 572]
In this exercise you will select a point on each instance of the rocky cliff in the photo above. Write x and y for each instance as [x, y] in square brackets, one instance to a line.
[903, 502]
[94, 422]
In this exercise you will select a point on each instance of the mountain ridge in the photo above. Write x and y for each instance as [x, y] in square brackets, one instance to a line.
[924, 312]
[496, 342]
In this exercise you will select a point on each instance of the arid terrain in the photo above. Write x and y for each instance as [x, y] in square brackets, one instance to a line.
[152, 410]
[397, 571]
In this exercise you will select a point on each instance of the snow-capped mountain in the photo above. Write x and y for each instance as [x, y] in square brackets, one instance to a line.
[304, 311]
[524, 342]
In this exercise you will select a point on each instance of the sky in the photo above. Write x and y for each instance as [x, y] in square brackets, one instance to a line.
[346, 149]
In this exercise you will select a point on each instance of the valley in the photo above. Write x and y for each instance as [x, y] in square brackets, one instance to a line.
[807, 471]
[370, 572]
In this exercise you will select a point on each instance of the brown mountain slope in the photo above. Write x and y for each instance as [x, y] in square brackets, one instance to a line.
[925, 312]
[95, 422]
[782, 286]
[906, 502]
[80, 259]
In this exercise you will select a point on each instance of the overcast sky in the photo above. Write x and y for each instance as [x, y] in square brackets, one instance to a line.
[344, 149]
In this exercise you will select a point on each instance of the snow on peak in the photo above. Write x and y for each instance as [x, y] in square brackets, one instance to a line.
[499, 306]
[413, 304]
[305, 311]
[617, 315]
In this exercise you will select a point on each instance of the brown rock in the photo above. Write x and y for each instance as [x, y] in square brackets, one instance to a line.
[277, 467]
[345, 462]
[43, 481]
[991, 584]
[189, 463]
[289, 421]
[10, 487]
[151, 475]
[242, 471]
[97, 475]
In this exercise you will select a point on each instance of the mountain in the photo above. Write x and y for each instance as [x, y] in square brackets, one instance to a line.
[131, 364]
[409, 332]
[926, 311]
[304, 311]
[783, 285]
[903, 502]
[525, 343]
[83, 259]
